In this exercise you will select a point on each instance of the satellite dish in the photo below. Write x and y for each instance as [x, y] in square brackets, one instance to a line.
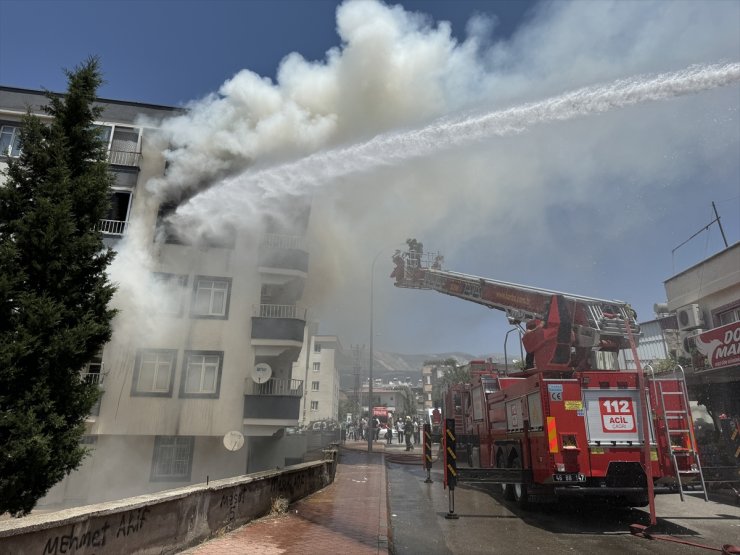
[262, 372]
[233, 440]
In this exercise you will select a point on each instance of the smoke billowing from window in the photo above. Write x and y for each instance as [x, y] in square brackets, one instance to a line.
[404, 130]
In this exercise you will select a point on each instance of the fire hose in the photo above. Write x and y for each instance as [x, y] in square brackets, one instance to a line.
[642, 531]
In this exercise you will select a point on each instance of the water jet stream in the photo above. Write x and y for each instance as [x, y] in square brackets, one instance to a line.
[303, 175]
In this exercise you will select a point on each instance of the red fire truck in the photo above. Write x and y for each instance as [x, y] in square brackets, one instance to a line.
[571, 422]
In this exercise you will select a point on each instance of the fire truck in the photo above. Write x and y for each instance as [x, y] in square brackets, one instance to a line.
[570, 422]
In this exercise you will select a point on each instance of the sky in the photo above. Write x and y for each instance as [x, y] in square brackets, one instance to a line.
[592, 201]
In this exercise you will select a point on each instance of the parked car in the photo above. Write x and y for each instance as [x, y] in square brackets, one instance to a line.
[384, 431]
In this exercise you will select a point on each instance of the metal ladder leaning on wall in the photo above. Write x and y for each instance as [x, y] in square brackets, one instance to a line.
[683, 428]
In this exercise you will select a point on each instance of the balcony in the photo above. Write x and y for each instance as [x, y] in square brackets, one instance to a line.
[113, 227]
[281, 323]
[274, 387]
[272, 405]
[283, 253]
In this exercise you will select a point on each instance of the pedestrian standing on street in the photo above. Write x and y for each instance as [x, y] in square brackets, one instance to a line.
[417, 439]
[399, 425]
[376, 430]
[408, 429]
[389, 432]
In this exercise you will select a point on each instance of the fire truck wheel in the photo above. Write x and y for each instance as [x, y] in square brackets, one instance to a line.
[521, 495]
[506, 489]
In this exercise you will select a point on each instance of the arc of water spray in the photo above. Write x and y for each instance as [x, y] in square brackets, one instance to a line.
[318, 169]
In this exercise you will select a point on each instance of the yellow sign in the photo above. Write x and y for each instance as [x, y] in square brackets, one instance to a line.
[653, 455]
[597, 450]
[574, 405]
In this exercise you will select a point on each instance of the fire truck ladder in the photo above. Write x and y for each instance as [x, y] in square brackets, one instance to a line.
[679, 425]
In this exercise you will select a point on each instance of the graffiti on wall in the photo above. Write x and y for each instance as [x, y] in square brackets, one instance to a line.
[129, 523]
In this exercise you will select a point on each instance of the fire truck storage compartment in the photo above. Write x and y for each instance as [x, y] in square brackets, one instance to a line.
[613, 416]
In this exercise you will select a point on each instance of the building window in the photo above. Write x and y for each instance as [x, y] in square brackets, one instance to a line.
[173, 458]
[170, 292]
[116, 220]
[10, 141]
[729, 316]
[201, 376]
[124, 148]
[317, 347]
[316, 366]
[122, 143]
[314, 386]
[165, 229]
[154, 373]
[223, 236]
[314, 405]
[93, 371]
[211, 297]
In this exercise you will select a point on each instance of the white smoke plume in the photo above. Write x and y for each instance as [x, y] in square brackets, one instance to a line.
[573, 195]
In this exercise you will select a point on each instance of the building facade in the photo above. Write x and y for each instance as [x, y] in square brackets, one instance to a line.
[430, 375]
[197, 378]
[317, 367]
[705, 299]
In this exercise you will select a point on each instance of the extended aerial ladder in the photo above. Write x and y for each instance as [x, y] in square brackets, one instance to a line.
[563, 329]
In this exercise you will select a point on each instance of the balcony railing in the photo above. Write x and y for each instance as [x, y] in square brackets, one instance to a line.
[274, 386]
[93, 378]
[280, 311]
[124, 158]
[113, 227]
[277, 241]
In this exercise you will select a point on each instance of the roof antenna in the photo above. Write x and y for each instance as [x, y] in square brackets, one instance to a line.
[722, 231]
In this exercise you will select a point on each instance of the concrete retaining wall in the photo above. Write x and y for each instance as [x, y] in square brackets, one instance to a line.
[164, 522]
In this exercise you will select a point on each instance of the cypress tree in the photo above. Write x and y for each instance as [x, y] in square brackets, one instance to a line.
[54, 290]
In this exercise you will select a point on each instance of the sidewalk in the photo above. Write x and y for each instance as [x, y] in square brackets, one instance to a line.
[348, 516]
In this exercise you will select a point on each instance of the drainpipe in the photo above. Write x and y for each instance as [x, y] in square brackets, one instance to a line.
[307, 344]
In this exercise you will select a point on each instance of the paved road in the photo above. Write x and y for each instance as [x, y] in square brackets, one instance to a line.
[488, 524]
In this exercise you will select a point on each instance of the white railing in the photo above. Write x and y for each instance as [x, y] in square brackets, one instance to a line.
[280, 311]
[93, 378]
[277, 241]
[124, 158]
[113, 227]
[274, 386]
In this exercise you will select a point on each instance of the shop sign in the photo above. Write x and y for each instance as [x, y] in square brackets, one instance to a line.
[380, 411]
[720, 345]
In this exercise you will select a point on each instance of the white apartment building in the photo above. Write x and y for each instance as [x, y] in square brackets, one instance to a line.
[317, 367]
[430, 375]
[198, 386]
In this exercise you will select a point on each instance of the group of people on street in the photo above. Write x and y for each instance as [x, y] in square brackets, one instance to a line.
[408, 430]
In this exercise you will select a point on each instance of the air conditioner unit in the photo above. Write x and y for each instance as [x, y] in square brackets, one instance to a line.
[689, 317]
[688, 341]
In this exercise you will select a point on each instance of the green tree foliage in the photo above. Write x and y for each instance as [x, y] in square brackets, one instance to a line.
[54, 291]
